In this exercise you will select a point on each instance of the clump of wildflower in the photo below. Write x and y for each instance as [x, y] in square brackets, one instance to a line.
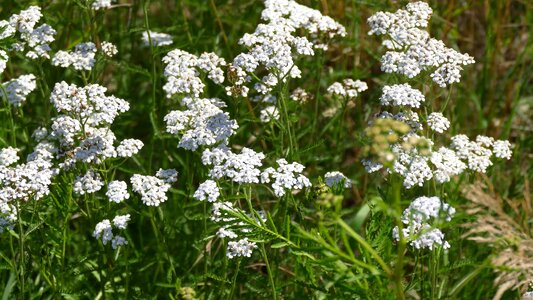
[502, 149]
[129, 147]
[401, 95]
[117, 191]
[418, 216]
[447, 164]
[183, 72]
[349, 88]
[104, 230]
[412, 50]
[3, 60]
[16, 90]
[269, 113]
[89, 183]
[333, 179]
[152, 189]
[37, 39]
[109, 49]
[274, 44]
[285, 177]
[300, 95]
[204, 123]
[240, 168]
[208, 190]
[168, 175]
[30, 180]
[240, 248]
[100, 4]
[82, 58]
[158, 39]
[8, 156]
[437, 122]
[8, 216]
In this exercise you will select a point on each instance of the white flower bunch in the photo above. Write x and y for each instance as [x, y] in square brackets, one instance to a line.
[24, 182]
[239, 168]
[438, 122]
[8, 156]
[104, 230]
[268, 114]
[401, 95]
[109, 49]
[274, 45]
[208, 190]
[204, 123]
[152, 189]
[16, 90]
[183, 72]
[411, 50]
[167, 175]
[286, 177]
[349, 88]
[3, 61]
[82, 58]
[89, 183]
[117, 191]
[100, 4]
[37, 39]
[8, 216]
[129, 147]
[336, 178]
[242, 247]
[418, 216]
[158, 39]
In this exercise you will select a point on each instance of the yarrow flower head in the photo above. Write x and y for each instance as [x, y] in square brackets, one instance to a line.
[18, 89]
[208, 190]
[82, 58]
[285, 177]
[117, 191]
[89, 183]
[412, 50]
[104, 230]
[158, 39]
[438, 122]
[100, 4]
[239, 168]
[349, 88]
[109, 49]
[418, 216]
[152, 189]
[240, 248]
[401, 95]
[129, 147]
[168, 175]
[334, 179]
[8, 156]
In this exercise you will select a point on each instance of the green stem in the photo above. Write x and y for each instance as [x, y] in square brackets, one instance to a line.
[269, 271]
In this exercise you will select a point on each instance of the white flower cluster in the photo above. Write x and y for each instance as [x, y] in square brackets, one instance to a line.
[104, 230]
[438, 122]
[239, 168]
[412, 50]
[208, 190]
[37, 39]
[275, 43]
[418, 216]
[24, 182]
[8, 156]
[129, 147]
[268, 114]
[242, 247]
[335, 179]
[16, 90]
[286, 177]
[401, 95]
[109, 49]
[349, 88]
[100, 4]
[89, 183]
[152, 189]
[3, 60]
[477, 154]
[183, 72]
[167, 175]
[204, 123]
[8, 216]
[82, 58]
[117, 191]
[158, 39]
[300, 95]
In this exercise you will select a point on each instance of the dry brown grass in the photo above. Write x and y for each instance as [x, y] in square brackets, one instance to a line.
[504, 225]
